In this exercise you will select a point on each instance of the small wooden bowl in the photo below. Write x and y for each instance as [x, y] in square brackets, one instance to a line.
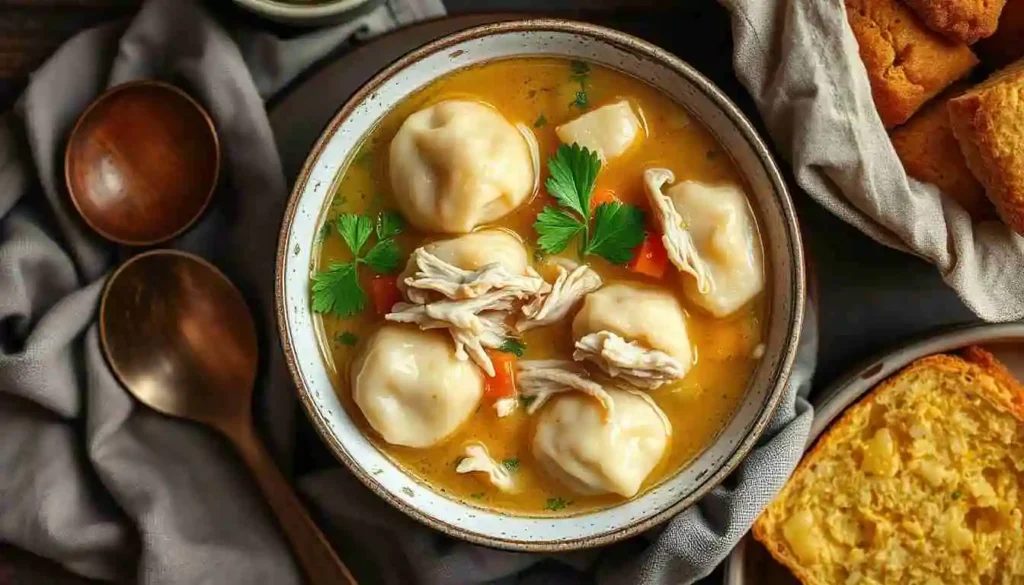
[142, 163]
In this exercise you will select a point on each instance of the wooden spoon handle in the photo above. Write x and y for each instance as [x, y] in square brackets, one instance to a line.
[309, 545]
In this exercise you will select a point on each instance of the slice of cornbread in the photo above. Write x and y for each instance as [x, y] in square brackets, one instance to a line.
[930, 153]
[907, 63]
[961, 20]
[988, 122]
[921, 482]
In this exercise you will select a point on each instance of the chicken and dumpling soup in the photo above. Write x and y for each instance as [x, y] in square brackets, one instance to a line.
[540, 286]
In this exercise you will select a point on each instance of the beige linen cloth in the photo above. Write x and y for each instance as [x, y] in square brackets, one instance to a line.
[799, 61]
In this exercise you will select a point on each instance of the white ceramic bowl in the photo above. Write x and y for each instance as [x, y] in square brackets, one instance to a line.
[305, 13]
[309, 202]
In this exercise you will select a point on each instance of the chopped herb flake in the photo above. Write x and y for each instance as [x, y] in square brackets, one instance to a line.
[477, 495]
[511, 464]
[513, 346]
[556, 504]
[346, 338]
[540, 122]
[956, 495]
[581, 100]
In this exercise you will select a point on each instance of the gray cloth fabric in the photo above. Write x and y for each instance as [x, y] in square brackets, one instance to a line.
[113, 491]
[799, 61]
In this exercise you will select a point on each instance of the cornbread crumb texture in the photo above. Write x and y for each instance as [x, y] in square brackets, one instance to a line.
[1007, 44]
[931, 154]
[907, 64]
[988, 122]
[960, 20]
[922, 482]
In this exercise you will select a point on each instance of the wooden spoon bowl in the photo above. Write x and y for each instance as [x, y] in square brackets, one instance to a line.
[142, 163]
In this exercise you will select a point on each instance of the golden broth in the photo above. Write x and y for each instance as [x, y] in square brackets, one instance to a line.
[540, 93]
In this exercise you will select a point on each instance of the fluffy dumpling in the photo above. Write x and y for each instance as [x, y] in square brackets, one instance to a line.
[594, 452]
[725, 237]
[458, 164]
[648, 315]
[411, 387]
[608, 130]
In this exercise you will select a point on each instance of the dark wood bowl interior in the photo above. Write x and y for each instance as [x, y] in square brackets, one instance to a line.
[142, 163]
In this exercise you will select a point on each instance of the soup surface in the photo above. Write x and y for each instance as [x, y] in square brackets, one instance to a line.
[543, 93]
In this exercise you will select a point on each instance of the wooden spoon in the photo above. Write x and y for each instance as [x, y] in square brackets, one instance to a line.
[179, 336]
[142, 163]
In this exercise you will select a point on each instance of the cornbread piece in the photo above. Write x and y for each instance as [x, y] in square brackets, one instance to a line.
[988, 122]
[1007, 44]
[960, 20]
[920, 482]
[931, 154]
[907, 64]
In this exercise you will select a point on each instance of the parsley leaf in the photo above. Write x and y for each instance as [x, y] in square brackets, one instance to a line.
[389, 225]
[581, 100]
[556, 504]
[573, 174]
[511, 464]
[540, 122]
[513, 346]
[382, 257]
[556, 228]
[618, 230]
[355, 230]
[336, 290]
[346, 338]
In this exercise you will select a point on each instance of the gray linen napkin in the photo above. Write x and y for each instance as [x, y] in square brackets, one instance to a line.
[113, 491]
[799, 61]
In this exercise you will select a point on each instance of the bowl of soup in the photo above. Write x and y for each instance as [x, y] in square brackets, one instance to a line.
[540, 285]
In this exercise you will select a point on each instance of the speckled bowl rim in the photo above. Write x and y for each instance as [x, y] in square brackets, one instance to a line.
[300, 12]
[797, 292]
[860, 379]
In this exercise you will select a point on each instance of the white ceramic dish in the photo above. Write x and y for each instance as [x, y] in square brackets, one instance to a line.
[306, 13]
[749, 563]
[308, 203]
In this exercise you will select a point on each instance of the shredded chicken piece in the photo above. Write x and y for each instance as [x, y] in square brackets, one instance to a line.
[758, 352]
[628, 361]
[677, 239]
[478, 460]
[506, 406]
[542, 379]
[553, 306]
[436, 275]
[471, 304]
[482, 330]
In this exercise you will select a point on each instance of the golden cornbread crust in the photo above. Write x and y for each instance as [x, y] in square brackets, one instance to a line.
[940, 505]
[960, 20]
[988, 122]
[930, 153]
[907, 64]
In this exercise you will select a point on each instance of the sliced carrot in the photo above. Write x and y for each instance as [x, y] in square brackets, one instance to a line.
[503, 383]
[650, 257]
[384, 293]
[602, 196]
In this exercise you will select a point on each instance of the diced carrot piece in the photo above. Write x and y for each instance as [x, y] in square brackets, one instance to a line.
[384, 293]
[503, 383]
[650, 257]
[602, 196]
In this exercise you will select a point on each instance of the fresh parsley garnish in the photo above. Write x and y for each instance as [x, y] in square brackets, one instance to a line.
[956, 495]
[556, 504]
[580, 72]
[477, 495]
[337, 290]
[346, 338]
[511, 463]
[540, 122]
[513, 346]
[615, 230]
